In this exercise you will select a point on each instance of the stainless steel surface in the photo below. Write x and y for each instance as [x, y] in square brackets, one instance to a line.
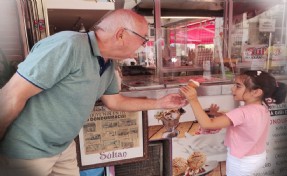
[158, 36]
[226, 89]
[142, 82]
[209, 90]
[181, 69]
[208, 86]
[204, 90]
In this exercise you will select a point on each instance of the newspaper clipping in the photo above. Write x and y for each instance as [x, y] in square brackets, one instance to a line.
[108, 130]
[112, 137]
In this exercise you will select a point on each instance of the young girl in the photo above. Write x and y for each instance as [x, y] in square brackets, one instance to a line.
[247, 126]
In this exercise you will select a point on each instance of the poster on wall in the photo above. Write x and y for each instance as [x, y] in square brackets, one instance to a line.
[199, 153]
[112, 137]
[277, 143]
[255, 56]
[195, 151]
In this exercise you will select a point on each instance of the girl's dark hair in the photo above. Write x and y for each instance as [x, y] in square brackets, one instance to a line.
[257, 79]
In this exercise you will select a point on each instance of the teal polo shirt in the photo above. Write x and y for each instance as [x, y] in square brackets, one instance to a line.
[65, 65]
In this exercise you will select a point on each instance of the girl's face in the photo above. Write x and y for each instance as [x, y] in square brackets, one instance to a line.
[239, 90]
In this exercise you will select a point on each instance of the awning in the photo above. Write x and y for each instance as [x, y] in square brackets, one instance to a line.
[199, 33]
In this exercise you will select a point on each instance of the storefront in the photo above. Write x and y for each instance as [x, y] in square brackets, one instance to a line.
[206, 41]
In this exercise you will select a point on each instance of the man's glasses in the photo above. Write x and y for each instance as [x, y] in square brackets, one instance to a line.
[142, 37]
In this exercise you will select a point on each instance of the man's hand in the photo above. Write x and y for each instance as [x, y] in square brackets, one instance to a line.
[171, 101]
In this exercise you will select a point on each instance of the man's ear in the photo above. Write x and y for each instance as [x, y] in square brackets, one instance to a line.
[120, 35]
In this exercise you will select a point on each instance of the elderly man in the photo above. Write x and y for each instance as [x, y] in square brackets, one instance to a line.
[46, 102]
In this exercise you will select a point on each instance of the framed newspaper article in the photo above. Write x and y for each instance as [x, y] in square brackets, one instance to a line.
[112, 137]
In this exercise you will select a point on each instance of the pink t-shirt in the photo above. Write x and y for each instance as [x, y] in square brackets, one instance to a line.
[249, 132]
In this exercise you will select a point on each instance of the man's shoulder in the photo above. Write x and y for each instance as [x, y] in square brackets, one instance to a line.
[64, 38]
[68, 35]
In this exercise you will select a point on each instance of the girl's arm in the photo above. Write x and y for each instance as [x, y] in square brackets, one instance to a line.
[205, 122]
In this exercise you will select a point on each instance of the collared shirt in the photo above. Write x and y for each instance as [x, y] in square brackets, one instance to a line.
[69, 74]
[103, 65]
[249, 132]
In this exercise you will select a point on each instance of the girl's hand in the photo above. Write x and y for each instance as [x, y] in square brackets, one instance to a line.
[189, 93]
[213, 109]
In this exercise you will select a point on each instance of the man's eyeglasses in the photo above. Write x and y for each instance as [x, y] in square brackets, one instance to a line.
[142, 37]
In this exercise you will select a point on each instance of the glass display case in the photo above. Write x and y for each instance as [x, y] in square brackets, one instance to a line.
[258, 37]
[180, 48]
[231, 36]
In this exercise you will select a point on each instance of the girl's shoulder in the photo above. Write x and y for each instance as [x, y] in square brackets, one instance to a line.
[253, 108]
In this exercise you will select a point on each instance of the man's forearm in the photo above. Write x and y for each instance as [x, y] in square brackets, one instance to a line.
[136, 104]
[6, 119]
[140, 104]
[13, 97]
[122, 103]
[3, 114]
[9, 110]
[3, 128]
